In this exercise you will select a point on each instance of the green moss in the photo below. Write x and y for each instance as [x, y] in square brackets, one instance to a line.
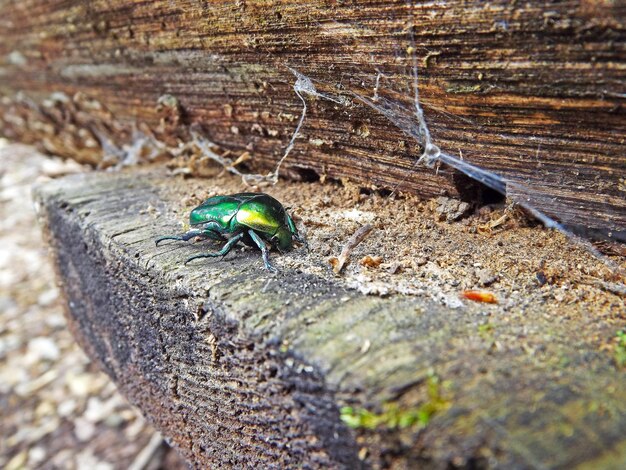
[564, 362]
[620, 349]
[395, 417]
[486, 331]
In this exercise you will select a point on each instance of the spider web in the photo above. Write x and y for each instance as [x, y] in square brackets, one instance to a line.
[393, 91]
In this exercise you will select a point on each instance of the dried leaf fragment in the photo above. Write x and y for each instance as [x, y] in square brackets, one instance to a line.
[371, 261]
[480, 296]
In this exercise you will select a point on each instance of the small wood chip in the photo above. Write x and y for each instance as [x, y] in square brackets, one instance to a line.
[371, 261]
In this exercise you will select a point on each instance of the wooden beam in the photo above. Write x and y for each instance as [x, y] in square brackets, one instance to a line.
[530, 91]
[239, 367]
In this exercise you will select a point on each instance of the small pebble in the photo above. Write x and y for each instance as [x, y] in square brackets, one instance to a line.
[86, 459]
[394, 268]
[451, 209]
[114, 420]
[79, 385]
[84, 429]
[486, 277]
[96, 410]
[48, 297]
[42, 348]
[36, 455]
[66, 408]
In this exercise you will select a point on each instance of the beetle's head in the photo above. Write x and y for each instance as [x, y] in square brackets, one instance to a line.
[282, 239]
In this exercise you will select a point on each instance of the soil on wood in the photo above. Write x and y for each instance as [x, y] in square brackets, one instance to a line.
[438, 249]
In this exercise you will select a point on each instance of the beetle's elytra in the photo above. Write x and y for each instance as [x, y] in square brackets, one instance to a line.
[252, 218]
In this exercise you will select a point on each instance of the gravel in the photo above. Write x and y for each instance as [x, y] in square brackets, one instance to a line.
[58, 410]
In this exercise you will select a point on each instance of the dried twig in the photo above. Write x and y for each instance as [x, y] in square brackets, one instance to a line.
[358, 237]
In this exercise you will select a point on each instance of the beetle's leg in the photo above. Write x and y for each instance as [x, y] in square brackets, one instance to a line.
[183, 236]
[263, 247]
[294, 233]
[301, 239]
[203, 233]
[213, 230]
[223, 252]
[213, 235]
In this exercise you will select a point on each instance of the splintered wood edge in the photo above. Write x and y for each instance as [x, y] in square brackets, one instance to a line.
[237, 366]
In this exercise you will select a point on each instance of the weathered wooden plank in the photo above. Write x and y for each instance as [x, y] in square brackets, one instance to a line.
[532, 91]
[238, 367]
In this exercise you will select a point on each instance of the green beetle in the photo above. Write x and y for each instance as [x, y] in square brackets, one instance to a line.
[253, 218]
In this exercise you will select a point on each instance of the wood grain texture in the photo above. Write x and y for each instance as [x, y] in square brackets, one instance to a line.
[241, 368]
[533, 91]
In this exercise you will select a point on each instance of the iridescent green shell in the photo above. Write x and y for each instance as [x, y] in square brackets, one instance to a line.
[257, 211]
[220, 209]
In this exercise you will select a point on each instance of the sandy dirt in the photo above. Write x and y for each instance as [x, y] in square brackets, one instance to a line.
[415, 249]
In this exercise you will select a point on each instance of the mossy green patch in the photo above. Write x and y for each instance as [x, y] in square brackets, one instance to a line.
[395, 417]
[620, 349]
[486, 331]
